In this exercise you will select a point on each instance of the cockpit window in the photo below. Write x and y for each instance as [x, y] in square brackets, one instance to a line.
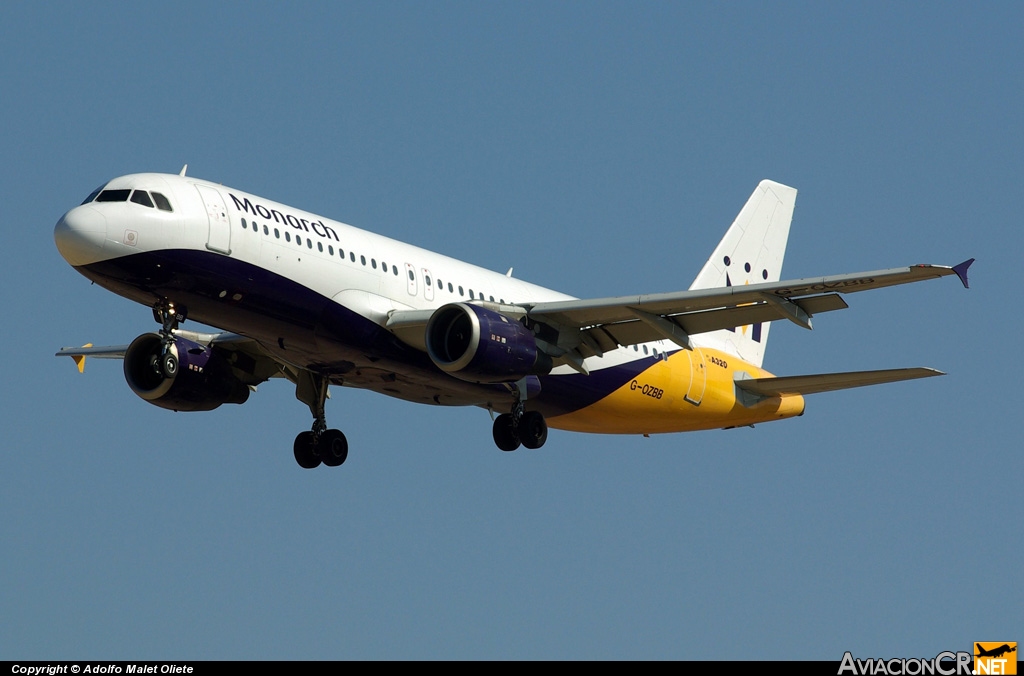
[113, 196]
[93, 194]
[161, 202]
[142, 197]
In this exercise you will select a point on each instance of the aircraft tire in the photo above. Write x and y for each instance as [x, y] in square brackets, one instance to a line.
[504, 435]
[333, 448]
[533, 430]
[169, 366]
[305, 451]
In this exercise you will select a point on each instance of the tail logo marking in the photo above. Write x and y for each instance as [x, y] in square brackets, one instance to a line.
[756, 336]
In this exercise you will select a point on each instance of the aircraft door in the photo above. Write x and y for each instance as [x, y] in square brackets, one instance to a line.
[428, 284]
[219, 238]
[410, 278]
[698, 376]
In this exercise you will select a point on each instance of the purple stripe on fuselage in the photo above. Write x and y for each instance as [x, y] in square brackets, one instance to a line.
[272, 307]
[269, 306]
[567, 393]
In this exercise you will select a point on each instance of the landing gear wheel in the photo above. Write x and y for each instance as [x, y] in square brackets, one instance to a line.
[504, 433]
[169, 366]
[332, 448]
[305, 451]
[533, 431]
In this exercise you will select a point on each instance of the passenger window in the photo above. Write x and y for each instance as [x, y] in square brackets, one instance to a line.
[287, 236]
[492, 299]
[309, 243]
[352, 256]
[320, 247]
[362, 259]
[277, 234]
[341, 252]
[330, 250]
[113, 196]
[427, 280]
[245, 226]
[412, 276]
[142, 197]
[471, 297]
[450, 289]
[394, 269]
[460, 291]
[373, 263]
[161, 202]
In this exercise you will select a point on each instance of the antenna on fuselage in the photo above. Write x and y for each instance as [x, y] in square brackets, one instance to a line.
[183, 169]
[509, 273]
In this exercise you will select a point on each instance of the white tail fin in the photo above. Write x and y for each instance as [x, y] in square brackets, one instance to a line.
[751, 252]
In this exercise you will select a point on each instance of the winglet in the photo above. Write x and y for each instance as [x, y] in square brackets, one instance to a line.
[961, 271]
[80, 359]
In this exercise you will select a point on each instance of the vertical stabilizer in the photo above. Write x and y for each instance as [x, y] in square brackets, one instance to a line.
[751, 252]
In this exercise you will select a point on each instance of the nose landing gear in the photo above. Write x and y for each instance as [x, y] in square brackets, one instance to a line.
[168, 315]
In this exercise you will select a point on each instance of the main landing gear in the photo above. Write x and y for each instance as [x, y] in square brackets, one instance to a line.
[520, 427]
[319, 445]
[168, 315]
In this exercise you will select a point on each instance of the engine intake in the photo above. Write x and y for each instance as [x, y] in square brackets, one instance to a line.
[481, 346]
[203, 380]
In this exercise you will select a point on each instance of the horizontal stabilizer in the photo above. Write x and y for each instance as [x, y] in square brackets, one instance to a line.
[829, 382]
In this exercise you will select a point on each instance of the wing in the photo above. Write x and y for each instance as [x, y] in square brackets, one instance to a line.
[248, 361]
[80, 353]
[603, 324]
[572, 330]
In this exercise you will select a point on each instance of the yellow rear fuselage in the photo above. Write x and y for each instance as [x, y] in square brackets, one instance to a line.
[689, 390]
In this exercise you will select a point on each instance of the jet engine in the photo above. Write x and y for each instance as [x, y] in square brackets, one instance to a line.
[197, 379]
[481, 346]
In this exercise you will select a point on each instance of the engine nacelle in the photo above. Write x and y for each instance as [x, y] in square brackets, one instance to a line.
[203, 380]
[481, 346]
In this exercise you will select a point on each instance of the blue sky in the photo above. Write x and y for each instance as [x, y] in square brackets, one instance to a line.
[601, 149]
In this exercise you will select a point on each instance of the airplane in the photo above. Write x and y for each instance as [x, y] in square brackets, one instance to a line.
[317, 302]
[994, 652]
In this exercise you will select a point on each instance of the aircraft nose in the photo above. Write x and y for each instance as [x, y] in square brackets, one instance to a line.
[80, 234]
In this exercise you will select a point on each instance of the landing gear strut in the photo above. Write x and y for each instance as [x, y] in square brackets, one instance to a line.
[168, 315]
[319, 445]
[519, 427]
